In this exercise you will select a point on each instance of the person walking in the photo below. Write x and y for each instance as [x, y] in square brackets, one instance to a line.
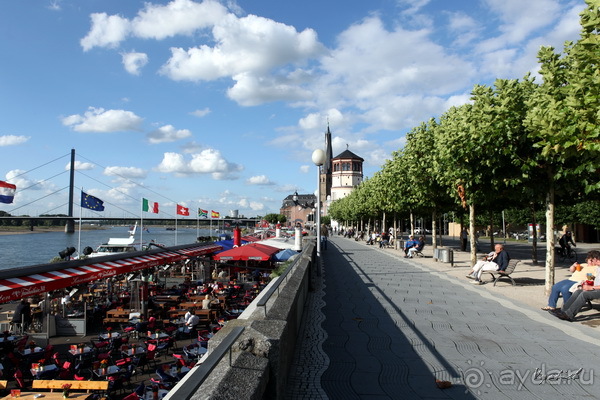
[463, 239]
[324, 235]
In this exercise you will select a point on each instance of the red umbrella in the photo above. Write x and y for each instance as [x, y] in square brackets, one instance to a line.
[252, 251]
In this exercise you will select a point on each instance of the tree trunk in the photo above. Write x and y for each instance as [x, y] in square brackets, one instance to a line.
[492, 231]
[549, 276]
[472, 234]
[412, 223]
[534, 236]
[395, 233]
[433, 230]
[383, 223]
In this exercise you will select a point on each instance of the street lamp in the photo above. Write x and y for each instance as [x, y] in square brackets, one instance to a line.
[318, 157]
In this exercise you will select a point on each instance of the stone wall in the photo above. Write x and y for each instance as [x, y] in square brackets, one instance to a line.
[258, 365]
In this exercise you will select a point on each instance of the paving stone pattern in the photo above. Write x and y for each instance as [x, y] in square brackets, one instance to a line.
[382, 327]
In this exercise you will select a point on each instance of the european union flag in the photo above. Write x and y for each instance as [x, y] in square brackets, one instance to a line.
[91, 202]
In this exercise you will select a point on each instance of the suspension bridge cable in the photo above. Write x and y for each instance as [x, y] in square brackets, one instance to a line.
[40, 166]
[129, 180]
[42, 181]
[31, 202]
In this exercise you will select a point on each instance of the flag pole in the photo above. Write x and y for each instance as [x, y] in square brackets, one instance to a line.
[176, 230]
[197, 224]
[79, 238]
[142, 224]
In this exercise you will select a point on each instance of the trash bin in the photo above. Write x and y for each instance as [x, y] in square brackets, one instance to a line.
[400, 244]
[447, 256]
[436, 254]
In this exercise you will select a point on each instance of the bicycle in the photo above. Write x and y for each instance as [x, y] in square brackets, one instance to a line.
[570, 255]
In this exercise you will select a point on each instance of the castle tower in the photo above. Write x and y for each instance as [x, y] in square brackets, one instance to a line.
[347, 173]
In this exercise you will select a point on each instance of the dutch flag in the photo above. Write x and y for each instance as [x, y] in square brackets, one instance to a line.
[7, 192]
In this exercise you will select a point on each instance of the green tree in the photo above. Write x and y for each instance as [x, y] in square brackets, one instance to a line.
[275, 218]
[564, 121]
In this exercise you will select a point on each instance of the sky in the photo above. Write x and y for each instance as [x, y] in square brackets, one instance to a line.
[219, 105]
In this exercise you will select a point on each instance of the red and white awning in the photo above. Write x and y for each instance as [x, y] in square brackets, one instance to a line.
[29, 285]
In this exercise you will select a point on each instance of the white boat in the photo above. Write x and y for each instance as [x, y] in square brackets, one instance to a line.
[117, 245]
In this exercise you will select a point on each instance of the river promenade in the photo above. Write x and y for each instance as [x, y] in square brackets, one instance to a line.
[380, 326]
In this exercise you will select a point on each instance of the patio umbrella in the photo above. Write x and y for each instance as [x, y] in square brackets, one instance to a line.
[252, 251]
[227, 244]
[285, 255]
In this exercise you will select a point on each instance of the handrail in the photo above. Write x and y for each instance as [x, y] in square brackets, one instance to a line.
[188, 386]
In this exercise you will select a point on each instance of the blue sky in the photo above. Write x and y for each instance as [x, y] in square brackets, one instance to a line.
[219, 104]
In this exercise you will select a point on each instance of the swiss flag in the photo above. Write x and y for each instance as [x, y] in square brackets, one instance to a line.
[181, 210]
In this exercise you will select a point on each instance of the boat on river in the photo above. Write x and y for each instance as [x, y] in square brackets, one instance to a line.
[117, 245]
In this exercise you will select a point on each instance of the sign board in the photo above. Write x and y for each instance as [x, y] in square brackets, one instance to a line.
[70, 326]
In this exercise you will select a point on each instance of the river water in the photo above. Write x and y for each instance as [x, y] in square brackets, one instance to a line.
[39, 248]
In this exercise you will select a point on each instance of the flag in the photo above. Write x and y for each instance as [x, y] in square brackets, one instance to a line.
[7, 192]
[149, 206]
[91, 202]
[214, 214]
[181, 210]
[202, 213]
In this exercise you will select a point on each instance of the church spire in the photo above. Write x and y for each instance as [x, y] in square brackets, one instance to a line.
[328, 151]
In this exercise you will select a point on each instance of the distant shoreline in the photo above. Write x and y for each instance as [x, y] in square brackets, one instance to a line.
[23, 230]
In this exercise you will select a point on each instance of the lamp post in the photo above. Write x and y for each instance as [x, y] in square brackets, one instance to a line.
[318, 157]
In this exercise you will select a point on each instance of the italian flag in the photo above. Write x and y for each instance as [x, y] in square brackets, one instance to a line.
[149, 206]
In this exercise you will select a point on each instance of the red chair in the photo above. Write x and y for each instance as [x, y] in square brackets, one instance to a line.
[151, 355]
[19, 379]
[66, 371]
[123, 362]
[131, 396]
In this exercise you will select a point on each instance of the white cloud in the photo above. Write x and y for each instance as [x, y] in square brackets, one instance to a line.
[13, 140]
[201, 112]
[262, 180]
[179, 17]
[250, 44]
[80, 166]
[208, 161]
[304, 169]
[133, 62]
[107, 31]
[168, 133]
[251, 90]
[54, 5]
[125, 172]
[520, 19]
[100, 120]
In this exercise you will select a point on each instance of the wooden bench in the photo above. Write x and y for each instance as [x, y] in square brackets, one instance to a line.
[87, 386]
[506, 273]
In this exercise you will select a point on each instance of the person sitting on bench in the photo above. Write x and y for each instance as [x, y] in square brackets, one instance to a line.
[418, 248]
[495, 261]
[410, 243]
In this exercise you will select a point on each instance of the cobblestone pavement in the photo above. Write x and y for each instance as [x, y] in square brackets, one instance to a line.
[384, 327]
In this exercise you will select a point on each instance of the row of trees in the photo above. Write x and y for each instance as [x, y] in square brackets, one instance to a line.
[518, 144]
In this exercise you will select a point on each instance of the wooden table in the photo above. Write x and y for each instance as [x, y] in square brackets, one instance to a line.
[191, 305]
[117, 313]
[46, 396]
